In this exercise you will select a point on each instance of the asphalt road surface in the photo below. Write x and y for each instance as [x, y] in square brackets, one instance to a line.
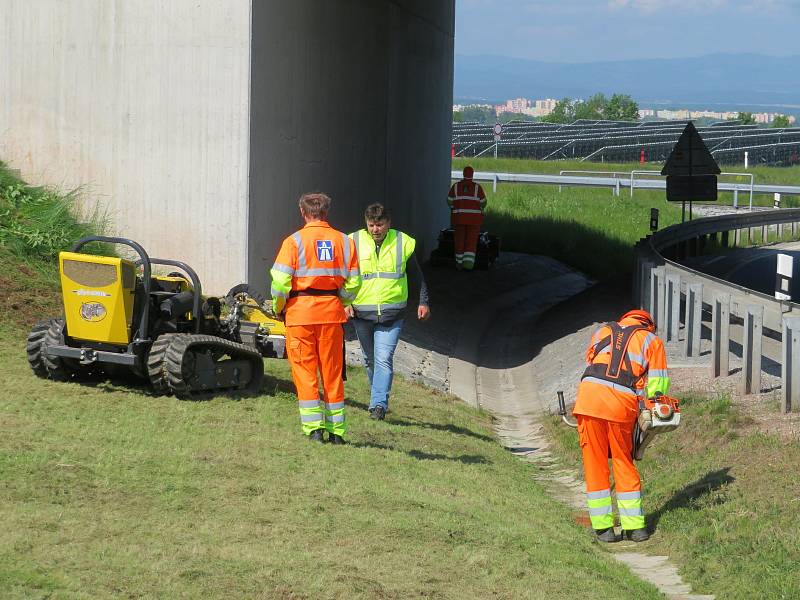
[753, 268]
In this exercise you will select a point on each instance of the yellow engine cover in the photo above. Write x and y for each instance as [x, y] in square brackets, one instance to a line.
[98, 296]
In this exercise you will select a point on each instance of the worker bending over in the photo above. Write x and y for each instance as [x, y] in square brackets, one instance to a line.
[314, 276]
[379, 310]
[626, 363]
[467, 201]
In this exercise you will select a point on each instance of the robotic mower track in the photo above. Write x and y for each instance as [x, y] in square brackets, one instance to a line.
[193, 367]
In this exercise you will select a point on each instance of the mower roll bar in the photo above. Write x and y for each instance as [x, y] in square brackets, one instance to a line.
[195, 284]
[144, 260]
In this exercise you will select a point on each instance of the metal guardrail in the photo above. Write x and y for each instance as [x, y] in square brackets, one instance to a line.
[764, 326]
[614, 182]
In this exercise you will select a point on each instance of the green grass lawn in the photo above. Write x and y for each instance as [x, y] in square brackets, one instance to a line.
[108, 491]
[724, 501]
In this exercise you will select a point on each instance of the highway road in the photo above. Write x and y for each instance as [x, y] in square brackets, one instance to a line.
[753, 268]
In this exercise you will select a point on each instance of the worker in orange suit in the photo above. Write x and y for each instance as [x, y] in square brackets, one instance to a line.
[314, 276]
[466, 200]
[626, 363]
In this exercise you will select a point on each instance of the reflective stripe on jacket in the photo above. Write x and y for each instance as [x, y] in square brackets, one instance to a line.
[611, 401]
[467, 201]
[321, 258]
[384, 289]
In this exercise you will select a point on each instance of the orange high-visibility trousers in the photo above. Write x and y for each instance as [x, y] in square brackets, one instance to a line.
[313, 348]
[597, 437]
[465, 238]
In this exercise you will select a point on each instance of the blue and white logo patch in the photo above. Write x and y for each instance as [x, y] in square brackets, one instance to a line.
[324, 250]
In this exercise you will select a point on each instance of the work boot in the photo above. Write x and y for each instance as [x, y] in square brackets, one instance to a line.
[637, 535]
[377, 413]
[336, 440]
[316, 435]
[606, 535]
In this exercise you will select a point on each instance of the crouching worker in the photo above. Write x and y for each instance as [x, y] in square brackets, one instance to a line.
[314, 275]
[626, 363]
[379, 310]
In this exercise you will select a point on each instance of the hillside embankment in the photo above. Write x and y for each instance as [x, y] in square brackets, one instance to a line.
[108, 490]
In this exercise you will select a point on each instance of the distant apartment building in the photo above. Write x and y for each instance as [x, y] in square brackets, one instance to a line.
[525, 106]
[685, 114]
[546, 106]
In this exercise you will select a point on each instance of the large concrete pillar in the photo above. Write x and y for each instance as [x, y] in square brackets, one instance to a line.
[197, 125]
[353, 98]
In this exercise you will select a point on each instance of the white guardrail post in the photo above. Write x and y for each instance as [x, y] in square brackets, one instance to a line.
[673, 306]
[659, 310]
[790, 376]
[751, 350]
[721, 336]
[645, 281]
[694, 315]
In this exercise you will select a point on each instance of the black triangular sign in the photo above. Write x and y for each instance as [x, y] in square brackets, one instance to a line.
[690, 156]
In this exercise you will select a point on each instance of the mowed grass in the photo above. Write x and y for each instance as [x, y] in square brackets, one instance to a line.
[723, 499]
[107, 491]
[587, 228]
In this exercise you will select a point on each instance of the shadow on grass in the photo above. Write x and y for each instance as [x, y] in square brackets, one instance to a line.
[684, 498]
[412, 422]
[123, 380]
[586, 249]
[467, 459]
[450, 428]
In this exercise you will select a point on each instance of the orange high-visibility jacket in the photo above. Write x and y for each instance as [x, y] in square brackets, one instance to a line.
[315, 273]
[466, 200]
[612, 401]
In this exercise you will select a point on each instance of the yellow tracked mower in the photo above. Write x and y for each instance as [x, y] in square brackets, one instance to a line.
[119, 316]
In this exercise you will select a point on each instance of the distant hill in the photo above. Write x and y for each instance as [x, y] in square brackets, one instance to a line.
[716, 79]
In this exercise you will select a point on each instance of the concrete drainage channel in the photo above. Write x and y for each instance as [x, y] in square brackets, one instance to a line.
[509, 361]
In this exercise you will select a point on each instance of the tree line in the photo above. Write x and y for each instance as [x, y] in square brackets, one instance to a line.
[619, 107]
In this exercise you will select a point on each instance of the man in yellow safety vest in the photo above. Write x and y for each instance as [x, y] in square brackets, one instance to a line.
[379, 310]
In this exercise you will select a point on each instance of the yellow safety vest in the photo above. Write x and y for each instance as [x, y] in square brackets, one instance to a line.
[384, 284]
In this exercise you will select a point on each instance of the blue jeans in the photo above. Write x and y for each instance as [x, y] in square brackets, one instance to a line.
[378, 342]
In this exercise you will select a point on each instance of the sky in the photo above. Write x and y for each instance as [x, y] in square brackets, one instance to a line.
[599, 30]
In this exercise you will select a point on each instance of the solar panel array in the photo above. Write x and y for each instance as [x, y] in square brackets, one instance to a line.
[624, 141]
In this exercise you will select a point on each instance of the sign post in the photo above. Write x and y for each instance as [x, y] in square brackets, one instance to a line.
[498, 131]
[691, 171]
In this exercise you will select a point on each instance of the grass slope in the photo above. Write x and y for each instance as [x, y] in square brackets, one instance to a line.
[723, 500]
[107, 491]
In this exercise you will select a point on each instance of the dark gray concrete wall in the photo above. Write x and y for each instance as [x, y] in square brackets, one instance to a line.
[353, 98]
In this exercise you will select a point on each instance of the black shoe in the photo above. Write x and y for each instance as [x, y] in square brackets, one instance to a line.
[316, 435]
[377, 413]
[606, 535]
[637, 535]
[336, 440]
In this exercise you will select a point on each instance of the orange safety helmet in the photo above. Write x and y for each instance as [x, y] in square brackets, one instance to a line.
[468, 172]
[640, 315]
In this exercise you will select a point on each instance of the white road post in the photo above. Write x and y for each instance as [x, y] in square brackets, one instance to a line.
[783, 277]
[777, 200]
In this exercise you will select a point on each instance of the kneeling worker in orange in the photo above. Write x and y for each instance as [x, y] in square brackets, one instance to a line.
[314, 276]
[626, 363]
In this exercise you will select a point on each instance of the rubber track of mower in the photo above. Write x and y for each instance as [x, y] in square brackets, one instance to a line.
[156, 364]
[183, 343]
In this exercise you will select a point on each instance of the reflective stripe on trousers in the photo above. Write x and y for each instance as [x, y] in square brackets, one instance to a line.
[311, 417]
[600, 511]
[335, 421]
[631, 515]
